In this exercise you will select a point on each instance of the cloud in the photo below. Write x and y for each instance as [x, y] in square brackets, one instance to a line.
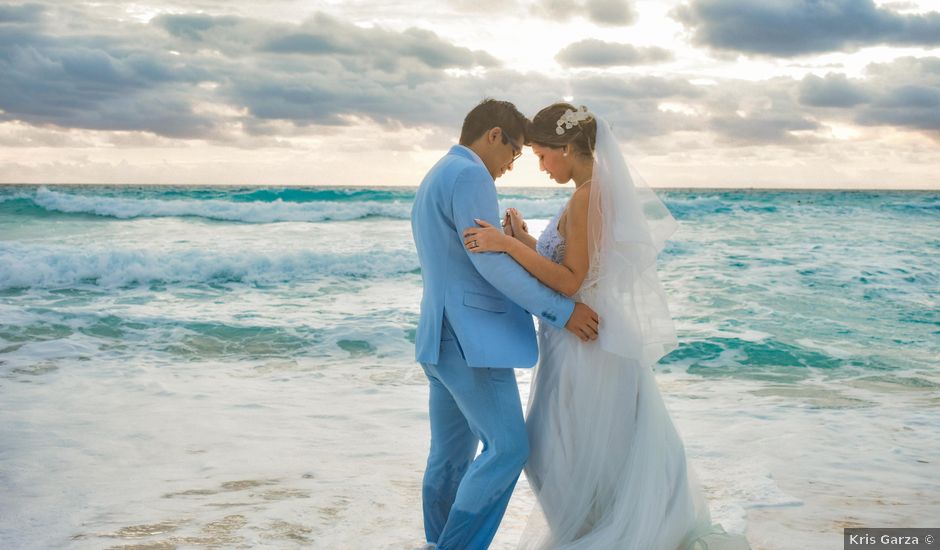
[916, 107]
[597, 53]
[637, 87]
[487, 6]
[630, 103]
[789, 28]
[747, 113]
[610, 12]
[899, 6]
[601, 12]
[193, 26]
[199, 76]
[18, 134]
[558, 10]
[240, 80]
[23, 13]
[325, 35]
[904, 93]
[835, 90]
[97, 82]
[761, 128]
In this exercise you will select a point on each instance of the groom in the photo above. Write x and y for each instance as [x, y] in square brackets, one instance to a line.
[475, 327]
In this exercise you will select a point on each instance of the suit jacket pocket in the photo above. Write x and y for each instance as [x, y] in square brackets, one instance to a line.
[484, 302]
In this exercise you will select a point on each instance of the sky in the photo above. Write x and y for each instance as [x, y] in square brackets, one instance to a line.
[700, 93]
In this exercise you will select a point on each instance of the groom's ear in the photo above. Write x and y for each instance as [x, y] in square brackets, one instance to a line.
[493, 134]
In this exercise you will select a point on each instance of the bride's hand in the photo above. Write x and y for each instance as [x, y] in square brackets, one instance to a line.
[518, 223]
[485, 238]
[507, 225]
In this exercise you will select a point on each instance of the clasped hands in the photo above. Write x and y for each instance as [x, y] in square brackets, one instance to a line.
[488, 238]
[583, 322]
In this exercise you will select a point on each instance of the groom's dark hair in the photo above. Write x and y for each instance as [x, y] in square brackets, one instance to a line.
[489, 114]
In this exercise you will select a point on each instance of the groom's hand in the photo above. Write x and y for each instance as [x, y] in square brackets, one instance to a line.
[583, 322]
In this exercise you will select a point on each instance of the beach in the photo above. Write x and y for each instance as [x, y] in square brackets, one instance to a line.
[234, 366]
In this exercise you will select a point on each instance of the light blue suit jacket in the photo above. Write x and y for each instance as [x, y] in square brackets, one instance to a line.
[487, 296]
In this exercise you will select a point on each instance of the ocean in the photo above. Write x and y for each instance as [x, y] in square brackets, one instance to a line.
[234, 366]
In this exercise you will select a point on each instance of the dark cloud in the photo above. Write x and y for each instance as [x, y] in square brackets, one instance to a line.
[835, 90]
[97, 82]
[760, 128]
[798, 27]
[905, 93]
[174, 76]
[597, 53]
[325, 35]
[21, 13]
[602, 12]
[192, 27]
[322, 35]
[326, 71]
[310, 44]
[915, 107]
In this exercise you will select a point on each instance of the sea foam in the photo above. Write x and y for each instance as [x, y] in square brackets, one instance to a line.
[257, 207]
[223, 210]
[56, 266]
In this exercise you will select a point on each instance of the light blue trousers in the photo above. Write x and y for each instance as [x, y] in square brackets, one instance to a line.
[465, 498]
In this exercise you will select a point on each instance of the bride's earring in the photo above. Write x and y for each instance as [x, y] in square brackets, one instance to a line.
[565, 154]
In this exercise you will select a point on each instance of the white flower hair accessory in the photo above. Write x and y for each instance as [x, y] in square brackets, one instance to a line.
[570, 118]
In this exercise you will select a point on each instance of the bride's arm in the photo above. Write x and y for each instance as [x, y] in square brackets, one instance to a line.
[528, 240]
[565, 278]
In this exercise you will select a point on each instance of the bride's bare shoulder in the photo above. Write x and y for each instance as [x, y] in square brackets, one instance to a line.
[575, 213]
[578, 203]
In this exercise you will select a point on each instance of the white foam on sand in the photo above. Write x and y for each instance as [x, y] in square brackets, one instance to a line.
[328, 451]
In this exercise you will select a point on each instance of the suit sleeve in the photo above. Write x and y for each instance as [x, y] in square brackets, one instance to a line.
[475, 197]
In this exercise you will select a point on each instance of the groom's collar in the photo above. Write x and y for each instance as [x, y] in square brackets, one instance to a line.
[466, 152]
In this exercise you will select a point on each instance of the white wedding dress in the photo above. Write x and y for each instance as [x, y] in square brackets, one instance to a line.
[607, 465]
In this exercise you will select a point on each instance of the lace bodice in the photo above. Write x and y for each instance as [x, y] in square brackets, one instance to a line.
[551, 244]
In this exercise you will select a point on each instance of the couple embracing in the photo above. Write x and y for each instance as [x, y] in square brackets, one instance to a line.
[598, 446]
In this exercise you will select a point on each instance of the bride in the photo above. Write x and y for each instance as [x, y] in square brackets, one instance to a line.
[606, 462]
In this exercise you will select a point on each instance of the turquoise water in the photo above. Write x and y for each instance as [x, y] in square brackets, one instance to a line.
[768, 285]
[125, 311]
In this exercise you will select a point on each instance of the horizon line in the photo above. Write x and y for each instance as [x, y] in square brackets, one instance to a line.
[928, 188]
